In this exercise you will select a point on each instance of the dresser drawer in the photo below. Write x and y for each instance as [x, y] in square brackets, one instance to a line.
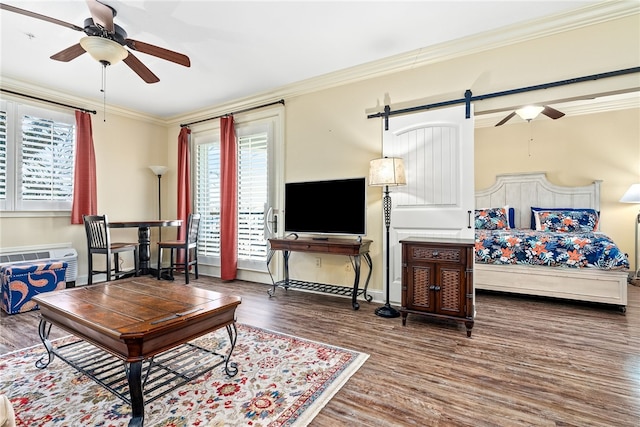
[436, 253]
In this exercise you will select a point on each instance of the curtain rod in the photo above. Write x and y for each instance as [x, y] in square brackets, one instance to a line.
[468, 98]
[48, 100]
[235, 112]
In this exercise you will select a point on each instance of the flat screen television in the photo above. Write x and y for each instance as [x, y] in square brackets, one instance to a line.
[326, 207]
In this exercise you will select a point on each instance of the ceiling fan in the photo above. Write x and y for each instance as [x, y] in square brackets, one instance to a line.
[530, 112]
[106, 41]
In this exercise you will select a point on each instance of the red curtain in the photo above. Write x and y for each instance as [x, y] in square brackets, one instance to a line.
[85, 194]
[228, 200]
[184, 181]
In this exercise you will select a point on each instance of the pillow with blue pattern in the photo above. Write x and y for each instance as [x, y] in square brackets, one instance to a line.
[533, 213]
[570, 221]
[492, 219]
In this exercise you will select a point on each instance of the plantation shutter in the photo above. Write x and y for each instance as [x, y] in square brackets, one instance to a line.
[207, 198]
[37, 158]
[47, 160]
[252, 196]
[46, 156]
[3, 155]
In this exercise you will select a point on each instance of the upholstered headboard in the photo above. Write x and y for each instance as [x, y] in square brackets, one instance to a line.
[524, 190]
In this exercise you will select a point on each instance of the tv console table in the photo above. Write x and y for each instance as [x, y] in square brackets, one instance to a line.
[353, 248]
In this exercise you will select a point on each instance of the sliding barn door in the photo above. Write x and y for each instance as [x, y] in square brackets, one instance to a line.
[438, 200]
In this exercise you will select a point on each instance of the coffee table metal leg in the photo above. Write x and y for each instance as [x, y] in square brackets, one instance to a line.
[43, 329]
[231, 369]
[134, 375]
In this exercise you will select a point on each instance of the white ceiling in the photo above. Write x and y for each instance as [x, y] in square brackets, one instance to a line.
[239, 48]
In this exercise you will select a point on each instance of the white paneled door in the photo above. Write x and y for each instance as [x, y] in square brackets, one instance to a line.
[438, 200]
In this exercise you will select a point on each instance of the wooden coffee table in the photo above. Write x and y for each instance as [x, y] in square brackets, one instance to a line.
[145, 323]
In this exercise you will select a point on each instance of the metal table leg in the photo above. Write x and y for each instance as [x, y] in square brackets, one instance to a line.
[134, 376]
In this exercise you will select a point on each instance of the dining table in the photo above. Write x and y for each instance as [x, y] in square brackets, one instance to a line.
[144, 237]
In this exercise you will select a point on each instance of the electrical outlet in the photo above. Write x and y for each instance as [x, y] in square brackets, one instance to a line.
[318, 262]
[347, 267]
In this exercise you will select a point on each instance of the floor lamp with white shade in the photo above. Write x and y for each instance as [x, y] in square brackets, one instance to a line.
[159, 171]
[632, 195]
[387, 172]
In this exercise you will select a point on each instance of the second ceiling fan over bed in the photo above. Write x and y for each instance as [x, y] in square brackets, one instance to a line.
[105, 41]
[530, 112]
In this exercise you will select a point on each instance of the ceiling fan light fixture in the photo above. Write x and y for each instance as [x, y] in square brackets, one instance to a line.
[104, 50]
[529, 112]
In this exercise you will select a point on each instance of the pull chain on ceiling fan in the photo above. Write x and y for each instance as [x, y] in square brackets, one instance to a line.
[105, 41]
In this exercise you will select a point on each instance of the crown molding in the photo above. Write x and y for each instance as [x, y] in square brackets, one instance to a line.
[502, 37]
[586, 16]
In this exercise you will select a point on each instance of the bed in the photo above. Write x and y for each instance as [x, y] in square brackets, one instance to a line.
[602, 278]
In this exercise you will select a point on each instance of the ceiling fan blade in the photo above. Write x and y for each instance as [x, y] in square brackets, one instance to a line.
[102, 14]
[159, 52]
[503, 121]
[69, 53]
[140, 69]
[39, 16]
[552, 113]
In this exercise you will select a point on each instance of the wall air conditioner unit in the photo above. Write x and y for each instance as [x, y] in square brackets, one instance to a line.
[68, 254]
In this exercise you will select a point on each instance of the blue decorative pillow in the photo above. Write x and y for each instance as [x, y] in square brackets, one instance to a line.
[512, 216]
[533, 213]
[570, 221]
[492, 219]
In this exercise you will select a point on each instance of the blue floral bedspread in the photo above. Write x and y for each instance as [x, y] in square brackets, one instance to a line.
[556, 249]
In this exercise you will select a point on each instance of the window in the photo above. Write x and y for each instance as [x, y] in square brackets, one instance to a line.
[254, 147]
[36, 158]
[252, 196]
[207, 192]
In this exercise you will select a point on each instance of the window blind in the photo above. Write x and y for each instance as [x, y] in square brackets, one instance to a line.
[207, 197]
[252, 196]
[3, 155]
[47, 159]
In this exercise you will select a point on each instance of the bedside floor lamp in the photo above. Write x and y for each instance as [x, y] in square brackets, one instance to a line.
[386, 172]
[159, 171]
[633, 196]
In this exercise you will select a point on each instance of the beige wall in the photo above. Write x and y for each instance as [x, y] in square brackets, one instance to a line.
[127, 189]
[328, 135]
[572, 151]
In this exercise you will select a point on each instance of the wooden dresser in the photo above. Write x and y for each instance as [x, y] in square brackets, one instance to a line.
[437, 279]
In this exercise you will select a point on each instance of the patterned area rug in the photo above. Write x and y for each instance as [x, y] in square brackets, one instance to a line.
[282, 381]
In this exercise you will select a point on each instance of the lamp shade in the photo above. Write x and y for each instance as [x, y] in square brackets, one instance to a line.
[387, 171]
[632, 195]
[529, 112]
[159, 170]
[104, 50]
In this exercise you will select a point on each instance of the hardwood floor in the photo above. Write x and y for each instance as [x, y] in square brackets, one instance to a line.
[529, 362]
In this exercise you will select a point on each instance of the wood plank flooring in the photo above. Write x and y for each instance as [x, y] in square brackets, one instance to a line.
[529, 362]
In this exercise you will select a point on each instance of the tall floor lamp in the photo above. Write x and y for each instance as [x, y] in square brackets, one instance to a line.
[387, 172]
[633, 196]
[159, 171]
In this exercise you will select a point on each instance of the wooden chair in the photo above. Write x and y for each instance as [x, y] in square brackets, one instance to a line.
[99, 242]
[188, 247]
